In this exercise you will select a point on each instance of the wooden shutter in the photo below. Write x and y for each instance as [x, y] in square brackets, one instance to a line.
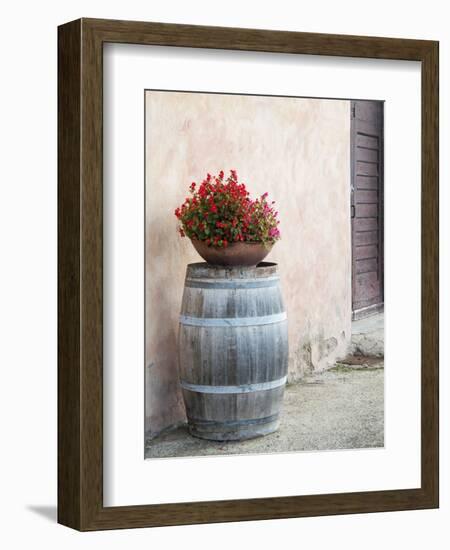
[367, 206]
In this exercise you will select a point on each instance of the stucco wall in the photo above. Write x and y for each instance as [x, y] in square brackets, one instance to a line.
[296, 149]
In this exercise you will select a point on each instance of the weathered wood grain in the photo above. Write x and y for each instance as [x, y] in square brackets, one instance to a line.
[233, 347]
[69, 253]
[367, 196]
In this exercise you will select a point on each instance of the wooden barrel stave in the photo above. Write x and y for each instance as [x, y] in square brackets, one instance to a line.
[234, 417]
[233, 351]
[245, 352]
[233, 407]
[232, 303]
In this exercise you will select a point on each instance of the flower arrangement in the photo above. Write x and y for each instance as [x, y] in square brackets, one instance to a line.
[220, 212]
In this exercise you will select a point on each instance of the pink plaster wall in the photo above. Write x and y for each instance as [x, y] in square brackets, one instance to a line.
[296, 149]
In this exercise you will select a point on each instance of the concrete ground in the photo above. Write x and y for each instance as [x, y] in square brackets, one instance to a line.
[368, 336]
[342, 408]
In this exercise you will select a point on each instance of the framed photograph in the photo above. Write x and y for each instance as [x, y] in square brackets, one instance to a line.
[248, 274]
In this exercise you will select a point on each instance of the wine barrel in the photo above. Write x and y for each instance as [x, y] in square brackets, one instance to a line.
[233, 350]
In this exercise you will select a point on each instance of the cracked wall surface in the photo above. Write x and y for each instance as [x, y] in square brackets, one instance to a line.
[296, 149]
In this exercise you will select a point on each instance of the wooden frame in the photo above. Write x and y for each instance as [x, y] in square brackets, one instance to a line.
[80, 415]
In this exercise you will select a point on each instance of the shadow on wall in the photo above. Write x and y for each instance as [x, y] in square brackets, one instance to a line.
[49, 513]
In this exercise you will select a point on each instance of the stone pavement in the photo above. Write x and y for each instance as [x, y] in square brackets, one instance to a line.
[342, 408]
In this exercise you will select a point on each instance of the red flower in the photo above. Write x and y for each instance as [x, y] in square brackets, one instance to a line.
[236, 216]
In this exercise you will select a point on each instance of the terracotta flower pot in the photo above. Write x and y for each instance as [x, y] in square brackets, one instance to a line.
[239, 254]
